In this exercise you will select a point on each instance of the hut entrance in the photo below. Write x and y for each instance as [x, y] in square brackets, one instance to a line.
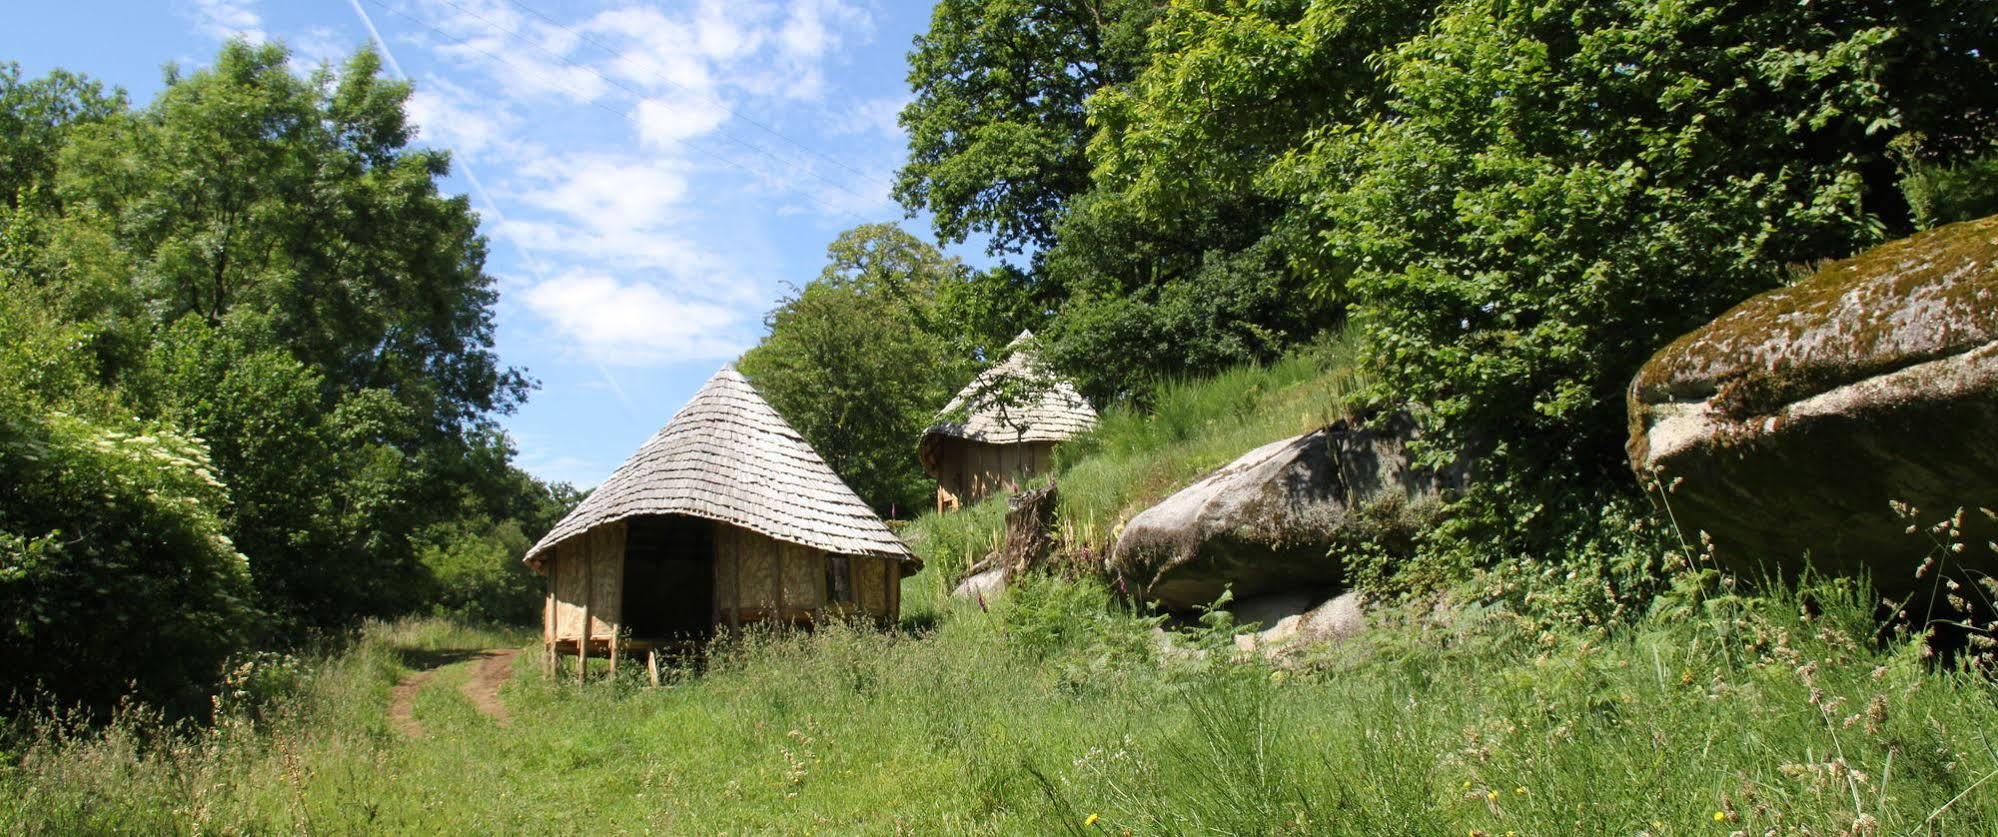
[669, 577]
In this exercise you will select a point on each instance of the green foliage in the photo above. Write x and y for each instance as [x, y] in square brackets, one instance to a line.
[1235, 309]
[259, 268]
[861, 359]
[1945, 194]
[1564, 187]
[36, 116]
[478, 575]
[998, 124]
[115, 576]
[260, 259]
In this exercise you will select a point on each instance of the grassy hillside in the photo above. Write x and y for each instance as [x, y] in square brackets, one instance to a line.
[1137, 456]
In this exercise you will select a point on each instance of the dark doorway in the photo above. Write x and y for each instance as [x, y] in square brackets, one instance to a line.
[669, 578]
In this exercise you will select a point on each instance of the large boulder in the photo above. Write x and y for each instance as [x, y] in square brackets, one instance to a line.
[1793, 422]
[1267, 522]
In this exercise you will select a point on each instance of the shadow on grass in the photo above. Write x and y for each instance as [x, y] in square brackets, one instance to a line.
[421, 659]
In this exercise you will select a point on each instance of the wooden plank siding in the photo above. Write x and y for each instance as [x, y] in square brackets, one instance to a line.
[971, 471]
[756, 578]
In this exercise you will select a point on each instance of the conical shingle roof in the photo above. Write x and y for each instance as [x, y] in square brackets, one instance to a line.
[729, 457]
[1044, 409]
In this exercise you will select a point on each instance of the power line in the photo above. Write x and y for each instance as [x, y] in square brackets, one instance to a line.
[585, 37]
[533, 263]
[523, 38]
[465, 42]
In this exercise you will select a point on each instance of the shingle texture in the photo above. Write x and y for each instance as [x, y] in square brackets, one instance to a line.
[1044, 408]
[729, 457]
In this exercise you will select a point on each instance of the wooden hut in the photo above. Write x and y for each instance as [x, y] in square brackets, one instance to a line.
[725, 517]
[1002, 428]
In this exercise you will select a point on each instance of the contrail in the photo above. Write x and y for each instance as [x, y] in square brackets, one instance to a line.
[533, 263]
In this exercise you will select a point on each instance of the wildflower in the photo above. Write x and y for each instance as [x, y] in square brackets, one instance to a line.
[1521, 790]
[1090, 820]
[1492, 796]
[1720, 816]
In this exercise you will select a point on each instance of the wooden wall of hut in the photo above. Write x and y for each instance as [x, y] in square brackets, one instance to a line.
[971, 471]
[587, 576]
[756, 579]
[763, 579]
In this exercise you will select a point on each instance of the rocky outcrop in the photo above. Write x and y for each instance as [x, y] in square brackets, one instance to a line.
[1791, 423]
[1267, 522]
[1028, 543]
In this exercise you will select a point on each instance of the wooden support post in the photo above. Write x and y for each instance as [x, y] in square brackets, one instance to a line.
[583, 636]
[652, 667]
[613, 652]
[887, 590]
[550, 626]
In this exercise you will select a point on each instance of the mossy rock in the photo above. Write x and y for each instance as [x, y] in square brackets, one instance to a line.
[1794, 422]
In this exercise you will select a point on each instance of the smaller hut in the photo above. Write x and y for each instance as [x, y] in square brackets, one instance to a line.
[725, 517]
[1002, 428]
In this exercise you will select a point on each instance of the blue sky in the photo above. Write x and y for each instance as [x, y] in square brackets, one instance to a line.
[652, 176]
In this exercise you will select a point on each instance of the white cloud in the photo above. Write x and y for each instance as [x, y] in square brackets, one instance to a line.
[610, 245]
[319, 45]
[451, 117]
[225, 19]
[530, 60]
[879, 116]
[605, 191]
[666, 121]
[812, 27]
[637, 323]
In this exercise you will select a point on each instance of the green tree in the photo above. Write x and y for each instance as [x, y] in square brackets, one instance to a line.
[861, 359]
[998, 125]
[1188, 253]
[1562, 187]
[35, 118]
[267, 263]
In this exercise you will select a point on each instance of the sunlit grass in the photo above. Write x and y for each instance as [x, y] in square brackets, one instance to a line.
[1052, 707]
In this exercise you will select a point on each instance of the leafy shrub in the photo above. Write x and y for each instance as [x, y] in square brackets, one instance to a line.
[115, 576]
[478, 575]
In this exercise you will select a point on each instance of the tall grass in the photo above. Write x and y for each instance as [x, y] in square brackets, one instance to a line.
[1054, 713]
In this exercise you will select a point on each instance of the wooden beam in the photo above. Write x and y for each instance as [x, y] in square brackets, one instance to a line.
[549, 625]
[583, 636]
[887, 590]
[714, 576]
[652, 667]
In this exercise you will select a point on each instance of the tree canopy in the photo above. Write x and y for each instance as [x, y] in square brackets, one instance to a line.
[256, 278]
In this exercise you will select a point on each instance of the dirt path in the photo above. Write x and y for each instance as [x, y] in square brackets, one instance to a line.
[493, 669]
[402, 703]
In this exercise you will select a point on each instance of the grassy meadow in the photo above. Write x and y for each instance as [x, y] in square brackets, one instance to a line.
[1052, 713]
[1056, 710]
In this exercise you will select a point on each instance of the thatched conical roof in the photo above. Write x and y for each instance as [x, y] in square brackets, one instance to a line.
[1041, 408]
[729, 457]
